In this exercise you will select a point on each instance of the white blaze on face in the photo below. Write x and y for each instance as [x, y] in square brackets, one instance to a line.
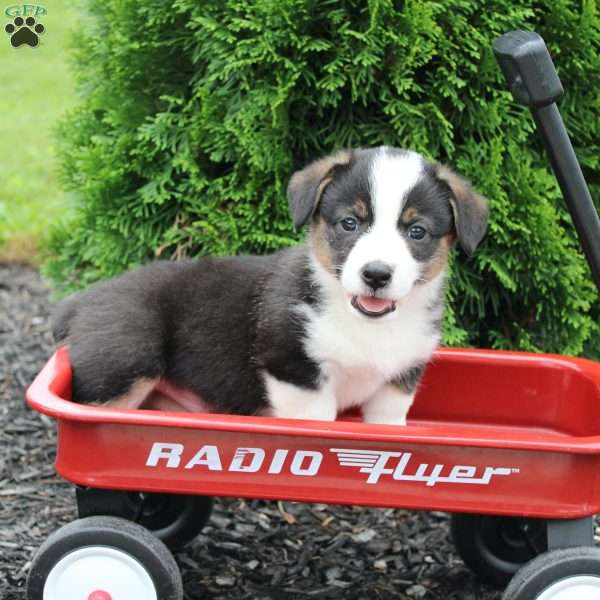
[391, 178]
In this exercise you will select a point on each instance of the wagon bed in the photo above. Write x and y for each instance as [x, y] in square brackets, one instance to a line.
[495, 432]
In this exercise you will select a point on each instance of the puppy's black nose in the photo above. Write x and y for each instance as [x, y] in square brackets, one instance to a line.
[376, 274]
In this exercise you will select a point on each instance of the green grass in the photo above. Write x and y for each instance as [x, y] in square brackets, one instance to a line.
[37, 88]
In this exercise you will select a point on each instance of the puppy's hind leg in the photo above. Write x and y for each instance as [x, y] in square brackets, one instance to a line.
[116, 359]
[119, 380]
[135, 396]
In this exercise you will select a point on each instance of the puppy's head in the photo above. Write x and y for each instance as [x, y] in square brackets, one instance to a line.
[383, 221]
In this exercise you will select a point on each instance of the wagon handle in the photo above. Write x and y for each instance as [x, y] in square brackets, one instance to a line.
[533, 81]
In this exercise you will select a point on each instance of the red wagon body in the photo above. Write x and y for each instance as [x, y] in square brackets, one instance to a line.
[490, 432]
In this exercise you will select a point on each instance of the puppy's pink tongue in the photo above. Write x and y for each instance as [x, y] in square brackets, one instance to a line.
[374, 305]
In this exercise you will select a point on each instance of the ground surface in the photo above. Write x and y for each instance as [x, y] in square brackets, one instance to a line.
[250, 550]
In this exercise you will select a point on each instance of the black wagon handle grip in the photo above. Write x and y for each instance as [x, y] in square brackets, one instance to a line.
[533, 81]
[528, 68]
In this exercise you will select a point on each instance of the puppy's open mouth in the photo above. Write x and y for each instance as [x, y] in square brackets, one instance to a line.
[373, 307]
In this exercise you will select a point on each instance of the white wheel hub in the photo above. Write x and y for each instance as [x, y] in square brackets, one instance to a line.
[578, 587]
[82, 572]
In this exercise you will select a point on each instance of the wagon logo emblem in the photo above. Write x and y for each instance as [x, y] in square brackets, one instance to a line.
[307, 463]
[377, 463]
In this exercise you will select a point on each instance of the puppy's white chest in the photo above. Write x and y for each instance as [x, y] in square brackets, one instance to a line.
[353, 386]
[360, 355]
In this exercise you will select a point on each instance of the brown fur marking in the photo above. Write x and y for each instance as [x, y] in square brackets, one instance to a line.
[135, 397]
[320, 245]
[361, 209]
[409, 215]
[439, 260]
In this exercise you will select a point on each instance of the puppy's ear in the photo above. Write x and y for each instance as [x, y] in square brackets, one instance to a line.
[306, 186]
[470, 209]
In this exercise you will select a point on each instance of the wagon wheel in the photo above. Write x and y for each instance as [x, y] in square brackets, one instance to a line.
[496, 547]
[176, 519]
[103, 558]
[565, 574]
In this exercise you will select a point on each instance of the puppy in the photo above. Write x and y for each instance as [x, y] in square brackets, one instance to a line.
[349, 318]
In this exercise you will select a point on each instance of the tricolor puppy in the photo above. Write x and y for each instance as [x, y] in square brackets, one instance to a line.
[349, 318]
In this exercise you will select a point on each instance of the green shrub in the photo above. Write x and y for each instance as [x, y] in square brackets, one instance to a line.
[194, 115]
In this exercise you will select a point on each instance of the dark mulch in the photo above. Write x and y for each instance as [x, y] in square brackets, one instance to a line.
[250, 549]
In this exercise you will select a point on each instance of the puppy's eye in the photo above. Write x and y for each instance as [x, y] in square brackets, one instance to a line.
[349, 224]
[416, 232]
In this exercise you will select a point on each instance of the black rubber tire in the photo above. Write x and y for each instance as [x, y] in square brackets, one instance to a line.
[551, 567]
[176, 519]
[113, 532]
[496, 547]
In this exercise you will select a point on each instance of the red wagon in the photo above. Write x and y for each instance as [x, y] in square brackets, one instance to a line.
[509, 442]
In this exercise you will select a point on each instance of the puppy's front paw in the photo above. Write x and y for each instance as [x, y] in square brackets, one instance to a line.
[389, 406]
[289, 401]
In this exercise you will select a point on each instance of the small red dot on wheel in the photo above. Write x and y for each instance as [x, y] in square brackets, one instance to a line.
[99, 595]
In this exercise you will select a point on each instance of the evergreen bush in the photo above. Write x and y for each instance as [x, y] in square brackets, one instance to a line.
[194, 115]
